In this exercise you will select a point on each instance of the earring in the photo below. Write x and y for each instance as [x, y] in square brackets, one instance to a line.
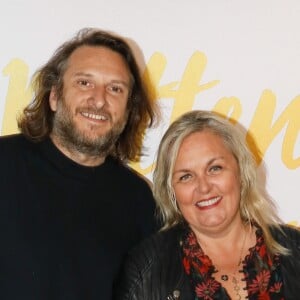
[174, 202]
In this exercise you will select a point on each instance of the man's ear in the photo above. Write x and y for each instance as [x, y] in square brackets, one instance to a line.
[53, 99]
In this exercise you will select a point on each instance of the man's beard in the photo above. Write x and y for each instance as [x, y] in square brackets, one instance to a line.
[75, 140]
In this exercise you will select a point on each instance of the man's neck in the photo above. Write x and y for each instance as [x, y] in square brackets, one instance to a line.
[78, 157]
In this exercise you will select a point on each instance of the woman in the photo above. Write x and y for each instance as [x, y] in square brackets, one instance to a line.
[221, 238]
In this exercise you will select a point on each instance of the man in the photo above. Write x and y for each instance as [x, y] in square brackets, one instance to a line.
[70, 207]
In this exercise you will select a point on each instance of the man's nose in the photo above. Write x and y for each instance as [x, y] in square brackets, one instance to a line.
[98, 97]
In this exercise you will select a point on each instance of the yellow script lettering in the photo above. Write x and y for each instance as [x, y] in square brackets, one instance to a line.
[188, 87]
[18, 95]
[264, 132]
[229, 106]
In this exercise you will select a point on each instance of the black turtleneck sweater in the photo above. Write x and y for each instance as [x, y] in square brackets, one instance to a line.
[64, 228]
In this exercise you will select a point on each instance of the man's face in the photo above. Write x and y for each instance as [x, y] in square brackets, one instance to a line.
[92, 112]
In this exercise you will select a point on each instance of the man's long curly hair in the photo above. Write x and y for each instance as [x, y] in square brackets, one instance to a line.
[36, 120]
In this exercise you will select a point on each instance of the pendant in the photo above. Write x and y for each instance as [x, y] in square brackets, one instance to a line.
[224, 277]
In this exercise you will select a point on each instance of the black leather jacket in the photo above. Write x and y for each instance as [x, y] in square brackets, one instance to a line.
[153, 270]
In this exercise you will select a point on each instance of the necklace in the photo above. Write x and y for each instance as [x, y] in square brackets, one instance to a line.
[225, 277]
[235, 280]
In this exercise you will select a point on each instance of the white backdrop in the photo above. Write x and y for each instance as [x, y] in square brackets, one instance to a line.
[228, 55]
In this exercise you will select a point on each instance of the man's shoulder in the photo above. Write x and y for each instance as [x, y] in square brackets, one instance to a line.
[12, 143]
[126, 172]
[11, 138]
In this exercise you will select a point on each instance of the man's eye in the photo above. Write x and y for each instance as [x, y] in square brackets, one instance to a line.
[116, 89]
[84, 82]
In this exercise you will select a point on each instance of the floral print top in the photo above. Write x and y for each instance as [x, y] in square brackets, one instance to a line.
[262, 273]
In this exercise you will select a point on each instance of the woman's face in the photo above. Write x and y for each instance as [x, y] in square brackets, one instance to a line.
[206, 182]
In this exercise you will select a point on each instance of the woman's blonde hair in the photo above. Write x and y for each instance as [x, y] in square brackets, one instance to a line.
[255, 207]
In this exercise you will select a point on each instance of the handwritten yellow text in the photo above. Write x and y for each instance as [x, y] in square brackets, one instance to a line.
[261, 129]
[18, 95]
[263, 126]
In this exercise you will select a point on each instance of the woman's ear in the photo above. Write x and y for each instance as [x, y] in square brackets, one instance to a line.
[53, 99]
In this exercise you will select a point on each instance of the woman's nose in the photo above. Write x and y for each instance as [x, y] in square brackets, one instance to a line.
[203, 184]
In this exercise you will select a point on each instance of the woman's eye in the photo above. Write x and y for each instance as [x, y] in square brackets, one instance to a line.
[215, 168]
[184, 177]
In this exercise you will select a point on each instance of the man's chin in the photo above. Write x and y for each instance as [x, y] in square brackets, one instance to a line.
[98, 139]
[94, 133]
